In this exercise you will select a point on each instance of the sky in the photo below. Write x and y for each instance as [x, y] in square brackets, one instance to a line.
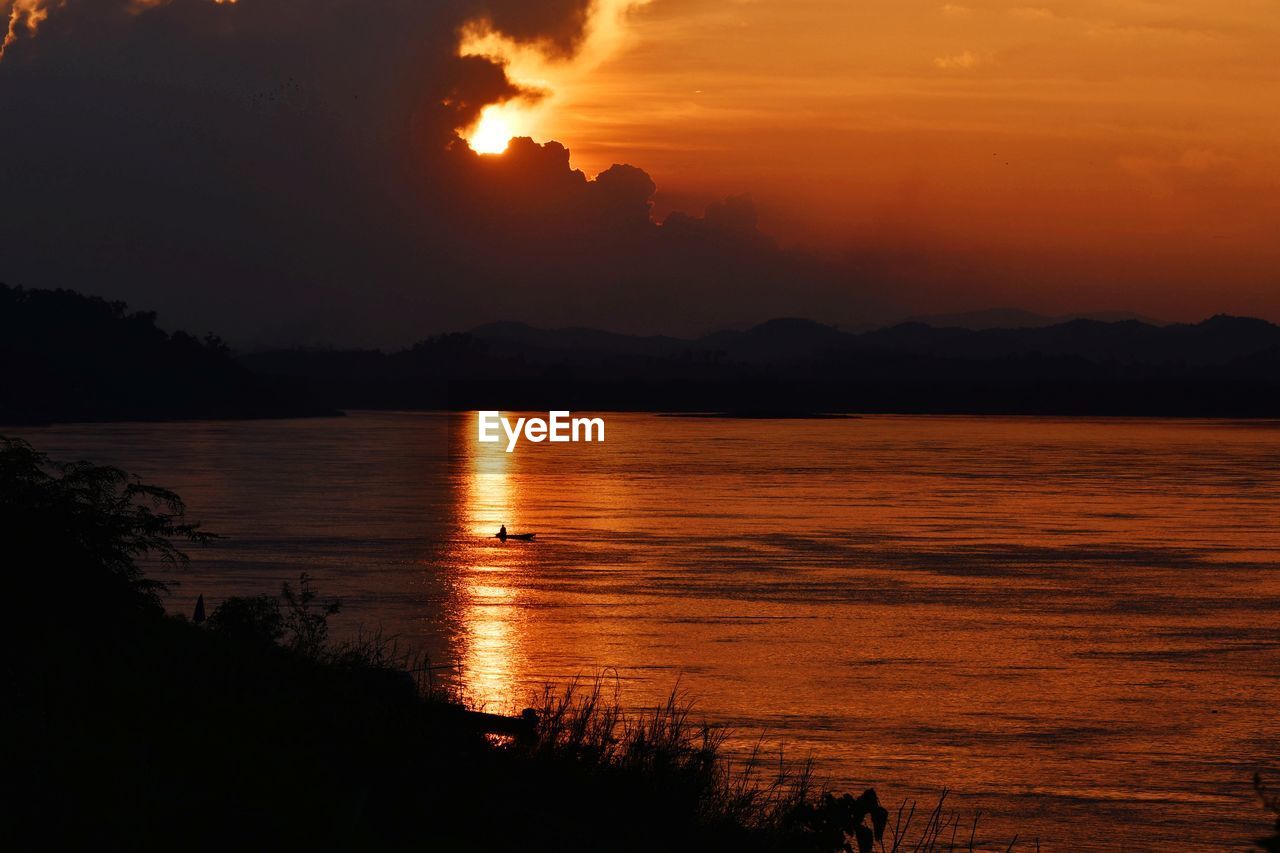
[287, 171]
[1135, 144]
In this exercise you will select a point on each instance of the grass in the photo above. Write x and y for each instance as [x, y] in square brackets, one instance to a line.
[584, 723]
[778, 803]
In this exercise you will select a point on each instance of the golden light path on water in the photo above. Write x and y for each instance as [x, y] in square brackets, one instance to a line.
[491, 639]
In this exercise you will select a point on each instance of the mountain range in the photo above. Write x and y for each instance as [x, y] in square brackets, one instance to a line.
[1215, 341]
[72, 357]
[1223, 366]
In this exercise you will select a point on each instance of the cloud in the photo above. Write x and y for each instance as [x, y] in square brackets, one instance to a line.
[558, 27]
[540, 70]
[1201, 160]
[1033, 13]
[23, 16]
[1169, 174]
[1176, 31]
[954, 10]
[287, 171]
[959, 61]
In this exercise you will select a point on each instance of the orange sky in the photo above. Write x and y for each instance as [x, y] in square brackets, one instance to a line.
[1127, 153]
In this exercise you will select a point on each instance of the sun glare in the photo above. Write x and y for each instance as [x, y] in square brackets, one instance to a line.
[492, 133]
[541, 77]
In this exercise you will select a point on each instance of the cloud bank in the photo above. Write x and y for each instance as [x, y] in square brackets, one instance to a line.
[283, 171]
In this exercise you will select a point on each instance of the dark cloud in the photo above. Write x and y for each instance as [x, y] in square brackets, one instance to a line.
[284, 170]
[556, 24]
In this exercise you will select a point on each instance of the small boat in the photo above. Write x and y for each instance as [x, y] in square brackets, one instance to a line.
[522, 537]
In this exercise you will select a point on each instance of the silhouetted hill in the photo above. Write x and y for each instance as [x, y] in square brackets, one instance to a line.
[1214, 341]
[68, 357]
[1217, 340]
[72, 357]
[783, 340]
[1224, 366]
[523, 335]
[1019, 318]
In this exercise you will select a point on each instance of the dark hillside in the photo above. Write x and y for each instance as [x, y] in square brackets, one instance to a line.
[68, 357]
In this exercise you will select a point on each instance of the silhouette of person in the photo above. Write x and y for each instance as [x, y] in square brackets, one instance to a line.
[502, 533]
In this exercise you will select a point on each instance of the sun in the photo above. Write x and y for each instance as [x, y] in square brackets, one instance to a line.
[492, 132]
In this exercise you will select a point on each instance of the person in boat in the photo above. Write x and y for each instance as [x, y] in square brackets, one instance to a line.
[502, 533]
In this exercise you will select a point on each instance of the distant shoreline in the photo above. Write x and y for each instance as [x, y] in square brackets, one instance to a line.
[764, 416]
[11, 426]
[45, 423]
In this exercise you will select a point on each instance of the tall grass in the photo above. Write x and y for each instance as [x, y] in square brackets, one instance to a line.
[776, 803]
[585, 722]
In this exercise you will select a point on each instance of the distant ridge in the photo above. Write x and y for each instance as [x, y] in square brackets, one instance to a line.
[1019, 318]
[789, 340]
[71, 357]
[576, 338]
[783, 339]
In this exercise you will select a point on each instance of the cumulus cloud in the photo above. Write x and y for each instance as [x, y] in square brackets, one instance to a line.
[287, 171]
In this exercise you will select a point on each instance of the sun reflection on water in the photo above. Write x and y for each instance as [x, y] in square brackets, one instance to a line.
[490, 641]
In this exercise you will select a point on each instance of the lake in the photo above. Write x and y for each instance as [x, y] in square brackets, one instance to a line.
[1070, 623]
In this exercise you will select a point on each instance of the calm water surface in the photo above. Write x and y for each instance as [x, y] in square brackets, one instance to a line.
[1072, 624]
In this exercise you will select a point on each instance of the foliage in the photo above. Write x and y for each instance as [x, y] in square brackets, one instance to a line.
[293, 619]
[75, 357]
[828, 823]
[92, 522]
[250, 619]
[306, 624]
[682, 766]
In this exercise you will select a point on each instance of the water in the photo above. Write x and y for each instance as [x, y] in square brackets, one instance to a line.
[1072, 624]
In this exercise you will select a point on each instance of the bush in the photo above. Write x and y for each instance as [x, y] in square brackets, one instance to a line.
[76, 531]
